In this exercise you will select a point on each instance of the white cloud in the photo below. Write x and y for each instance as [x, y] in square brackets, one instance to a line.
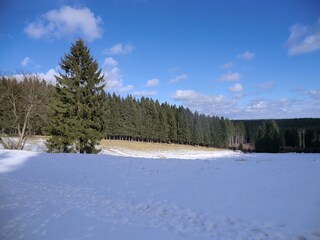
[116, 85]
[266, 85]
[144, 93]
[109, 61]
[314, 94]
[119, 48]
[126, 88]
[248, 108]
[173, 70]
[303, 39]
[113, 77]
[192, 98]
[257, 105]
[219, 105]
[271, 108]
[49, 76]
[277, 108]
[152, 82]
[236, 88]
[25, 62]
[66, 21]
[28, 62]
[114, 82]
[179, 78]
[227, 65]
[246, 55]
[215, 105]
[230, 77]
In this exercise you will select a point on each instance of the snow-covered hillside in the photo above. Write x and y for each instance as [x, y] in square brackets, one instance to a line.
[234, 196]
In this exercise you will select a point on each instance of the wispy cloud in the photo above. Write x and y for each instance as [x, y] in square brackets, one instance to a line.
[266, 85]
[179, 78]
[303, 39]
[230, 77]
[113, 77]
[227, 65]
[4, 36]
[173, 70]
[314, 94]
[273, 108]
[28, 62]
[215, 105]
[66, 22]
[257, 108]
[246, 55]
[109, 61]
[236, 88]
[25, 62]
[152, 82]
[193, 98]
[144, 93]
[119, 49]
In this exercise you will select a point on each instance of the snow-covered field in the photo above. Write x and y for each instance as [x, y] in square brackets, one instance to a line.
[183, 152]
[229, 196]
[172, 154]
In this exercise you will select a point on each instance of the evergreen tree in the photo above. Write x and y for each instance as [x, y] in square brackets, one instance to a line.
[197, 130]
[163, 124]
[216, 132]
[268, 138]
[77, 110]
[205, 129]
[260, 141]
[172, 122]
[181, 125]
[189, 124]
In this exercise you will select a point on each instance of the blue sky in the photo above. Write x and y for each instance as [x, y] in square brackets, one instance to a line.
[237, 59]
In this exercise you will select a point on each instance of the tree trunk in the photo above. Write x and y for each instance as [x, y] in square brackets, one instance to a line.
[4, 144]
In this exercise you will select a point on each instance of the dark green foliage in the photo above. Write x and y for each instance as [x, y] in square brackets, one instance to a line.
[299, 135]
[163, 124]
[197, 130]
[77, 115]
[268, 138]
[80, 114]
[181, 125]
[172, 122]
[148, 120]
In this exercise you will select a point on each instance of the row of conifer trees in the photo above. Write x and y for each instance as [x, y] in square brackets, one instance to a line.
[24, 108]
[147, 120]
[77, 113]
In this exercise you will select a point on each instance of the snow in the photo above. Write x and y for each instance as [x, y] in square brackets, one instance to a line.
[228, 196]
[165, 154]
[38, 145]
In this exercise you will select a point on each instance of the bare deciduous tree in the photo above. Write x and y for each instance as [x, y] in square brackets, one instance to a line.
[23, 106]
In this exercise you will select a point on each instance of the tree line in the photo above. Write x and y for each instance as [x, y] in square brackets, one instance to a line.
[147, 120]
[30, 106]
[289, 135]
[77, 113]
[24, 110]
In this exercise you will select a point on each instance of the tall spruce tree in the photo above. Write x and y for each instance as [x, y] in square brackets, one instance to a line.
[77, 110]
